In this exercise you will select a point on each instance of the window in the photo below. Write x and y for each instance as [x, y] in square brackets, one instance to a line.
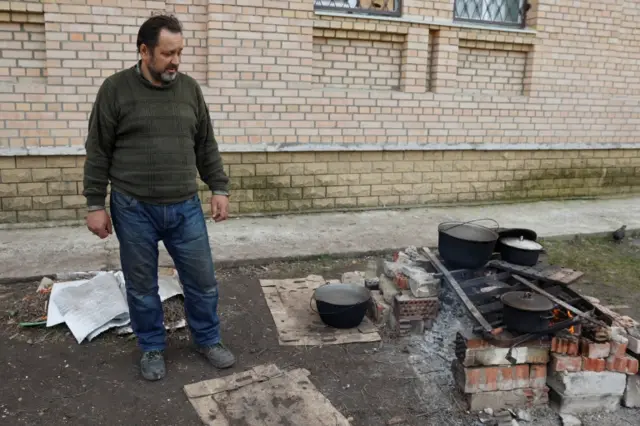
[497, 12]
[370, 7]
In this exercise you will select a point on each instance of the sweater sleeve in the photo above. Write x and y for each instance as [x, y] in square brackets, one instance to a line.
[208, 158]
[99, 145]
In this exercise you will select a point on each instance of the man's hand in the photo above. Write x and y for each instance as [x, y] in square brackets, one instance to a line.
[99, 223]
[219, 207]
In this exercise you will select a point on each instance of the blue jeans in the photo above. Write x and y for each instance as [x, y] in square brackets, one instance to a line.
[139, 227]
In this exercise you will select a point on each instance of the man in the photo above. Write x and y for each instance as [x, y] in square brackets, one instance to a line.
[149, 135]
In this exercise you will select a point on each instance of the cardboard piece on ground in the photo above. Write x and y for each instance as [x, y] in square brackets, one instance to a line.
[264, 395]
[291, 308]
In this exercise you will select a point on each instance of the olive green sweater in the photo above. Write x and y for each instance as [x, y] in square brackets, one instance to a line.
[150, 142]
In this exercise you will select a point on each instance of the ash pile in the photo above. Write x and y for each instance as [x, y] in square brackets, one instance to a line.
[534, 341]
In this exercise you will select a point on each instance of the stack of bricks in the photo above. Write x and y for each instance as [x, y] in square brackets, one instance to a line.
[488, 380]
[625, 337]
[571, 355]
[409, 313]
[585, 375]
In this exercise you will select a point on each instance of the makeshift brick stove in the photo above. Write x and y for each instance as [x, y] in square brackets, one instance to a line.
[579, 360]
[584, 358]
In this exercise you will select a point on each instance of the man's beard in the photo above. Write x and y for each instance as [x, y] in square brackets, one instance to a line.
[164, 76]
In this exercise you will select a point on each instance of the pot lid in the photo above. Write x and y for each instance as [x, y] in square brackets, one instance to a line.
[521, 243]
[527, 301]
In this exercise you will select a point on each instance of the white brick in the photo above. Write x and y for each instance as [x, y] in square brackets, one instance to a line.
[588, 383]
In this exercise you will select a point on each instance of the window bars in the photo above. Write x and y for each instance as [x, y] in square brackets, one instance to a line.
[510, 13]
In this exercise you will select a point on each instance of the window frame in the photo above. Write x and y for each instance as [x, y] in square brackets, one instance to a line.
[352, 7]
[524, 7]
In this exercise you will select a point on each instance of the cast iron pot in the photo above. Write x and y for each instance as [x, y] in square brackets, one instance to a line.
[526, 312]
[342, 305]
[520, 251]
[527, 234]
[466, 245]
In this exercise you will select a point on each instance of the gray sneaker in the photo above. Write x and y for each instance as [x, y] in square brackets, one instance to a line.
[218, 355]
[152, 365]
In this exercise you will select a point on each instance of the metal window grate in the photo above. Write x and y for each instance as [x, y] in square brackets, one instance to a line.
[496, 12]
[364, 7]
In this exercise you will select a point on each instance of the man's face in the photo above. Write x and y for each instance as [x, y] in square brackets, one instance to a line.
[164, 60]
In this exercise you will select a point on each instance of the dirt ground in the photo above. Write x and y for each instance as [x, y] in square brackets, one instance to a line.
[47, 378]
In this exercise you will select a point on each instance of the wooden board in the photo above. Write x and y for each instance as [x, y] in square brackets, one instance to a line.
[264, 395]
[292, 309]
[542, 272]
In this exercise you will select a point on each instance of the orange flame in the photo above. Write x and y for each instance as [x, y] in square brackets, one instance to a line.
[559, 315]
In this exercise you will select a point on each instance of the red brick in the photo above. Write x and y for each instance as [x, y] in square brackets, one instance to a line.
[566, 363]
[506, 376]
[617, 364]
[559, 345]
[619, 346]
[623, 364]
[522, 374]
[573, 348]
[632, 366]
[538, 376]
[565, 345]
[594, 350]
[490, 379]
[474, 342]
[593, 364]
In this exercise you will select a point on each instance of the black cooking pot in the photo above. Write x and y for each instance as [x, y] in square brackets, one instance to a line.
[520, 251]
[527, 234]
[526, 312]
[466, 245]
[342, 305]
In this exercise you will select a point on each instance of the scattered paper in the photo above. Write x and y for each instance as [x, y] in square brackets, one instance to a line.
[168, 287]
[90, 307]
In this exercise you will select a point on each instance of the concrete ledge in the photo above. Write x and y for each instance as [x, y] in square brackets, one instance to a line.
[313, 147]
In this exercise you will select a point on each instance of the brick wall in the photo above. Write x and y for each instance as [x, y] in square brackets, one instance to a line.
[427, 10]
[22, 53]
[491, 69]
[49, 188]
[372, 61]
[556, 104]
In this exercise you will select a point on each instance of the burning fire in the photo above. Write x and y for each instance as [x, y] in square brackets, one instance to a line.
[560, 315]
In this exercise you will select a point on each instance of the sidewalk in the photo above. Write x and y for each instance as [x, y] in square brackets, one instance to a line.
[48, 251]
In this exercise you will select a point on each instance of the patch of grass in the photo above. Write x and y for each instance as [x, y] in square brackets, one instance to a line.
[602, 260]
